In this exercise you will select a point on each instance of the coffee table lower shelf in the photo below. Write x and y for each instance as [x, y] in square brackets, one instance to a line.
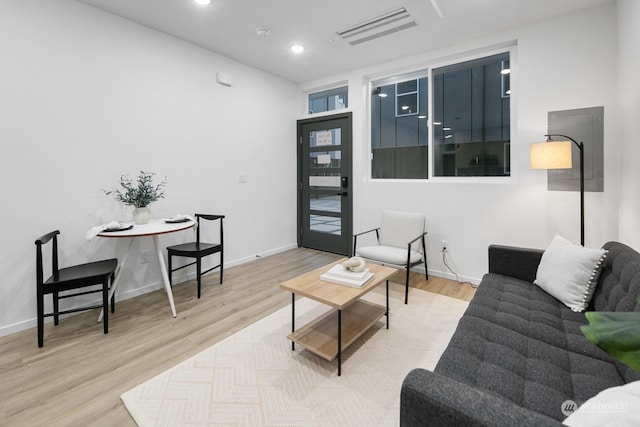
[321, 335]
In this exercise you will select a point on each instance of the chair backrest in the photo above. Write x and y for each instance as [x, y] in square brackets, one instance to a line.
[399, 228]
[42, 240]
[209, 217]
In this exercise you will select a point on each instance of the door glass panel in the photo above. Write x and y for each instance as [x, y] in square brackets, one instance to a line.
[325, 181]
[325, 224]
[319, 182]
[325, 202]
[325, 159]
[325, 138]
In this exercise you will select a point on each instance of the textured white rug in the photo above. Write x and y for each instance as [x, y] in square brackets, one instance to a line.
[253, 378]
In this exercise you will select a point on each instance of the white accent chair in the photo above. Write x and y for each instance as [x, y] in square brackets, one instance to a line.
[401, 243]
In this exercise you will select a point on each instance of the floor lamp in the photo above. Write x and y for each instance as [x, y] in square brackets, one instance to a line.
[557, 155]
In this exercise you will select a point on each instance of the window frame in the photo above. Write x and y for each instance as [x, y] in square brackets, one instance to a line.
[415, 75]
[429, 66]
[336, 89]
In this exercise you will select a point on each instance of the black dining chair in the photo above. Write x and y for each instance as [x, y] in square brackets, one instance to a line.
[198, 250]
[97, 273]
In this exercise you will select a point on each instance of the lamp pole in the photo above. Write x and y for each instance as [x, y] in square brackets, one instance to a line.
[580, 146]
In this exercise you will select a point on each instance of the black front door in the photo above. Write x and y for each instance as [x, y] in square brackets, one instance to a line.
[325, 195]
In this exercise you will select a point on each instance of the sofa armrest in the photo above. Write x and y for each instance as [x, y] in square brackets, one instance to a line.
[519, 263]
[435, 400]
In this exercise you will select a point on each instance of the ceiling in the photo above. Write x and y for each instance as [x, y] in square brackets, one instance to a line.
[229, 27]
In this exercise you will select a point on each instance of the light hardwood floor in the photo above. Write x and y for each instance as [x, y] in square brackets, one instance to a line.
[77, 377]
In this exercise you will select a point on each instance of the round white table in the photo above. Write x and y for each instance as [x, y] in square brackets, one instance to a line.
[152, 229]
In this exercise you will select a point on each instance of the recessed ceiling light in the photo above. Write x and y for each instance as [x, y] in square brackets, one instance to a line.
[382, 95]
[203, 2]
[297, 48]
[505, 71]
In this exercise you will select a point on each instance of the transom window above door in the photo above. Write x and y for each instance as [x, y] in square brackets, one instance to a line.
[329, 100]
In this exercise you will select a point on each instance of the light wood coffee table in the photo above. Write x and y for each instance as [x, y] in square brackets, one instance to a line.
[328, 335]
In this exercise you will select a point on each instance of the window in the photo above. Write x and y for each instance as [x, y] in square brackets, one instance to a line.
[471, 105]
[399, 132]
[407, 98]
[470, 121]
[329, 100]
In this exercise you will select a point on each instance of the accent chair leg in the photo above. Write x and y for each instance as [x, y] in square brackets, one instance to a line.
[406, 288]
[424, 256]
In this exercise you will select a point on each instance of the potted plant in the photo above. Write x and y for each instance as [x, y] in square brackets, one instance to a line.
[139, 194]
[618, 333]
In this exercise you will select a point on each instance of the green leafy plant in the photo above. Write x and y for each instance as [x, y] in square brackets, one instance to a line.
[618, 333]
[139, 193]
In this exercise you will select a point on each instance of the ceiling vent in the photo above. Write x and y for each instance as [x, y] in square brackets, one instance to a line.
[379, 26]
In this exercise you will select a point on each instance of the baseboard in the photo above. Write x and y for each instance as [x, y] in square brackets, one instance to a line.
[19, 327]
[121, 296]
[191, 275]
[450, 276]
[31, 323]
[259, 255]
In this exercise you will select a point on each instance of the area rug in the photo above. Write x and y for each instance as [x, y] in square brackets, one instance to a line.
[253, 378]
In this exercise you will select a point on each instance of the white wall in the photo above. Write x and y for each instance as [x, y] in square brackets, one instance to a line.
[85, 97]
[629, 91]
[564, 63]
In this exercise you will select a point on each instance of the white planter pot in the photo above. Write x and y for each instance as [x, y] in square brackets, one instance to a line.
[141, 215]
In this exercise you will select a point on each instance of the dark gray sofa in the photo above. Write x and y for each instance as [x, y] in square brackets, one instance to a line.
[518, 353]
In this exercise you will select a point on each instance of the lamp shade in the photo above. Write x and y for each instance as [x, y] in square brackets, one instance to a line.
[551, 155]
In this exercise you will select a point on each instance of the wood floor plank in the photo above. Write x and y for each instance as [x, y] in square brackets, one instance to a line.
[78, 376]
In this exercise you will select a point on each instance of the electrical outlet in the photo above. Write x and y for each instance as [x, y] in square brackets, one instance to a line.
[144, 257]
[445, 245]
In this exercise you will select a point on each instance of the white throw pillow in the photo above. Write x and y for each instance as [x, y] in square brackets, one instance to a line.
[615, 406]
[570, 272]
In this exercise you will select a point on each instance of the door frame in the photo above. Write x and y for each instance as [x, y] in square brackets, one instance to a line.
[347, 223]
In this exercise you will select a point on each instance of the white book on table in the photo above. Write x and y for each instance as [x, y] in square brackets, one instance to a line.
[340, 275]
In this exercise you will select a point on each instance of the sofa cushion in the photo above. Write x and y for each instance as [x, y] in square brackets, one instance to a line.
[570, 272]
[520, 343]
[619, 289]
[388, 254]
[619, 285]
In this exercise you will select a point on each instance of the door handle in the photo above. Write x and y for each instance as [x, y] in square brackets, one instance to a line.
[344, 193]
